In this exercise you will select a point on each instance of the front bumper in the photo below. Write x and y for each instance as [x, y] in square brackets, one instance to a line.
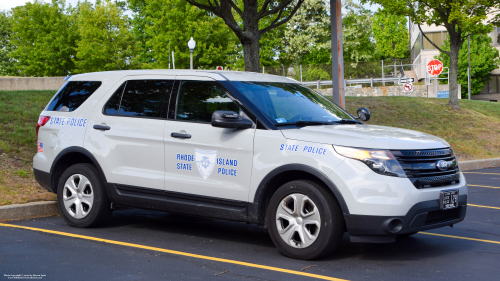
[422, 216]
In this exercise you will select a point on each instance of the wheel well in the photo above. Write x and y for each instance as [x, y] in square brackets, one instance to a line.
[66, 161]
[280, 179]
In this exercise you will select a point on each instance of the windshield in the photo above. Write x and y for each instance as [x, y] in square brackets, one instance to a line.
[288, 103]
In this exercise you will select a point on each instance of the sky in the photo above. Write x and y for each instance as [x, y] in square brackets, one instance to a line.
[9, 4]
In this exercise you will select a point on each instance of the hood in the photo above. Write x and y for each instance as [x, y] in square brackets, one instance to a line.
[366, 136]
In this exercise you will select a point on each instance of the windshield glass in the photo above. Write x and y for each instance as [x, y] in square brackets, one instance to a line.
[288, 103]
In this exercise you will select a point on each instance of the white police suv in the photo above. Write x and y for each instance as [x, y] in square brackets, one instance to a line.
[244, 147]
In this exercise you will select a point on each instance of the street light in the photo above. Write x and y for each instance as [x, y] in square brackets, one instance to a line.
[191, 45]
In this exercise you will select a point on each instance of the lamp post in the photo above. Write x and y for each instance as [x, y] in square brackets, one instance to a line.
[191, 45]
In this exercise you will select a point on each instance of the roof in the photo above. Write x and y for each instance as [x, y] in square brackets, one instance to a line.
[216, 75]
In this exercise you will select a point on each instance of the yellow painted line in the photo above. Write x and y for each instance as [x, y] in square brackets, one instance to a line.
[481, 206]
[459, 237]
[483, 186]
[323, 277]
[481, 173]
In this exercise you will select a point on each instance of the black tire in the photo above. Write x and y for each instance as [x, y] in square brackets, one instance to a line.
[101, 207]
[331, 226]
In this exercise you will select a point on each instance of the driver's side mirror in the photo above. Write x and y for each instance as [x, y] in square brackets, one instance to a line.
[364, 114]
[230, 119]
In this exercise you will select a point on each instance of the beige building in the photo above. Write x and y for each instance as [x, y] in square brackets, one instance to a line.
[422, 51]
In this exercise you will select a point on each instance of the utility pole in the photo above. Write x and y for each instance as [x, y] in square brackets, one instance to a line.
[338, 91]
[468, 68]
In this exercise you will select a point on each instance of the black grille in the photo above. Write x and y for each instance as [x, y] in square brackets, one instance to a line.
[420, 167]
[443, 215]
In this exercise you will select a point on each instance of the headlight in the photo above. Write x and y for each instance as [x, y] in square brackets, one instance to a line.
[380, 161]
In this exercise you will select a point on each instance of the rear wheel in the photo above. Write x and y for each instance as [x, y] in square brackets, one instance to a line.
[81, 197]
[304, 220]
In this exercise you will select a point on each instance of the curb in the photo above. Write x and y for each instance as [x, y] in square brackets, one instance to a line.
[28, 211]
[479, 164]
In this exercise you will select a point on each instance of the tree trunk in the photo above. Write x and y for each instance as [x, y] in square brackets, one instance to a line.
[455, 43]
[251, 53]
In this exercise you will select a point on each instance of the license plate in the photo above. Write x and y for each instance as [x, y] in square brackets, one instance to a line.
[448, 199]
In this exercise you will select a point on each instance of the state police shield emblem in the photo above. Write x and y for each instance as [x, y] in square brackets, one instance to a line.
[205, 161]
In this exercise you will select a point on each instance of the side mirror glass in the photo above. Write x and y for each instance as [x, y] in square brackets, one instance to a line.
[230, 119]
[364, 114]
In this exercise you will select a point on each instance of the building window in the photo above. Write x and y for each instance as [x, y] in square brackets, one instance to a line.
[436, 37]
[495, 36]
[492, 86]
[417, 47]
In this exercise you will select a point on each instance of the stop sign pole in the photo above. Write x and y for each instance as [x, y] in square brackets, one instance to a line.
[435, 67]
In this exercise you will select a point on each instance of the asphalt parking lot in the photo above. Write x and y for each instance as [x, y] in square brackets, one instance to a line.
[147, 245]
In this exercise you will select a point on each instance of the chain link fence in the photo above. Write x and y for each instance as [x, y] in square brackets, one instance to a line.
[373, 69]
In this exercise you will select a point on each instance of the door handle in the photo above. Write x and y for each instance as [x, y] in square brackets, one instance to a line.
[180, 136]
[101, 127]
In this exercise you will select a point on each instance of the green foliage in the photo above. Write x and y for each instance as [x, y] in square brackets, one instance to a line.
[357, 34]
[391, 34]
[106, 42]
[484, 58]
[22, 173]
[313, 73]
[44, 37]
[5, 48]
[163, 26]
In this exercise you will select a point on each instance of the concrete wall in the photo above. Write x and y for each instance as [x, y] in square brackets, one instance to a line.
[31, 83]
[418, 91]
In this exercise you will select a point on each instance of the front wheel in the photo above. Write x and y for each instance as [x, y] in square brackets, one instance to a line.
[304, 220]
[81, 197]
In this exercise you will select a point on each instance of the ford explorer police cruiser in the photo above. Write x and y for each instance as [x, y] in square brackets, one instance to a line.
[244, 147]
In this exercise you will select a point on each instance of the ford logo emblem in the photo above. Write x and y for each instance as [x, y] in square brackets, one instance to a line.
[442, 165]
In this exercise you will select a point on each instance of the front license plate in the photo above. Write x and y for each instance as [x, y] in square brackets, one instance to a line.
[448, 199]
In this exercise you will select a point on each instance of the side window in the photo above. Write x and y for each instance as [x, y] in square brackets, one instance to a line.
[143, 98]
[72, 95]
[197, 101]
[113, 104]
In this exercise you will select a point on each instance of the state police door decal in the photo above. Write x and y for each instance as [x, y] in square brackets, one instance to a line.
[205, 161]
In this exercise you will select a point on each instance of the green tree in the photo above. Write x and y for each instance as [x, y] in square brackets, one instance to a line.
[44, 39]
[307, 34]
[484, 58]
[167, 25]
[357, 34]
[245, 19]
[106, 42]
[391, 35]
[5, 47]
[457, 16]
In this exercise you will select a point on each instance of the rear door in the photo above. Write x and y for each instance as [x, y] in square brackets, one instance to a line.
[128, 137]
[201, 159]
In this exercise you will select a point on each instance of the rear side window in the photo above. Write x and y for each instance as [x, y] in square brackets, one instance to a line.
[141, 98]
[113, 104]
[72, 95]
[197, 101]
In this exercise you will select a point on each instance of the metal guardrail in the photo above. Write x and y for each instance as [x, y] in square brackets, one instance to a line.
[370, 81]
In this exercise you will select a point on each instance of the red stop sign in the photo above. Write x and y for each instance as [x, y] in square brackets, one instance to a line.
[435, 67]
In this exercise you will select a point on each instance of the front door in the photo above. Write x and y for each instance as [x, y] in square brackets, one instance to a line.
[201, 159]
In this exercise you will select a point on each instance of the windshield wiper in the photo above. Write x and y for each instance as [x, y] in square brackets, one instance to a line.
[348, 121]
[302, 123]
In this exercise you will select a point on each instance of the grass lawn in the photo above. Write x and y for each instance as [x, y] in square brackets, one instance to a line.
[474, 132]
